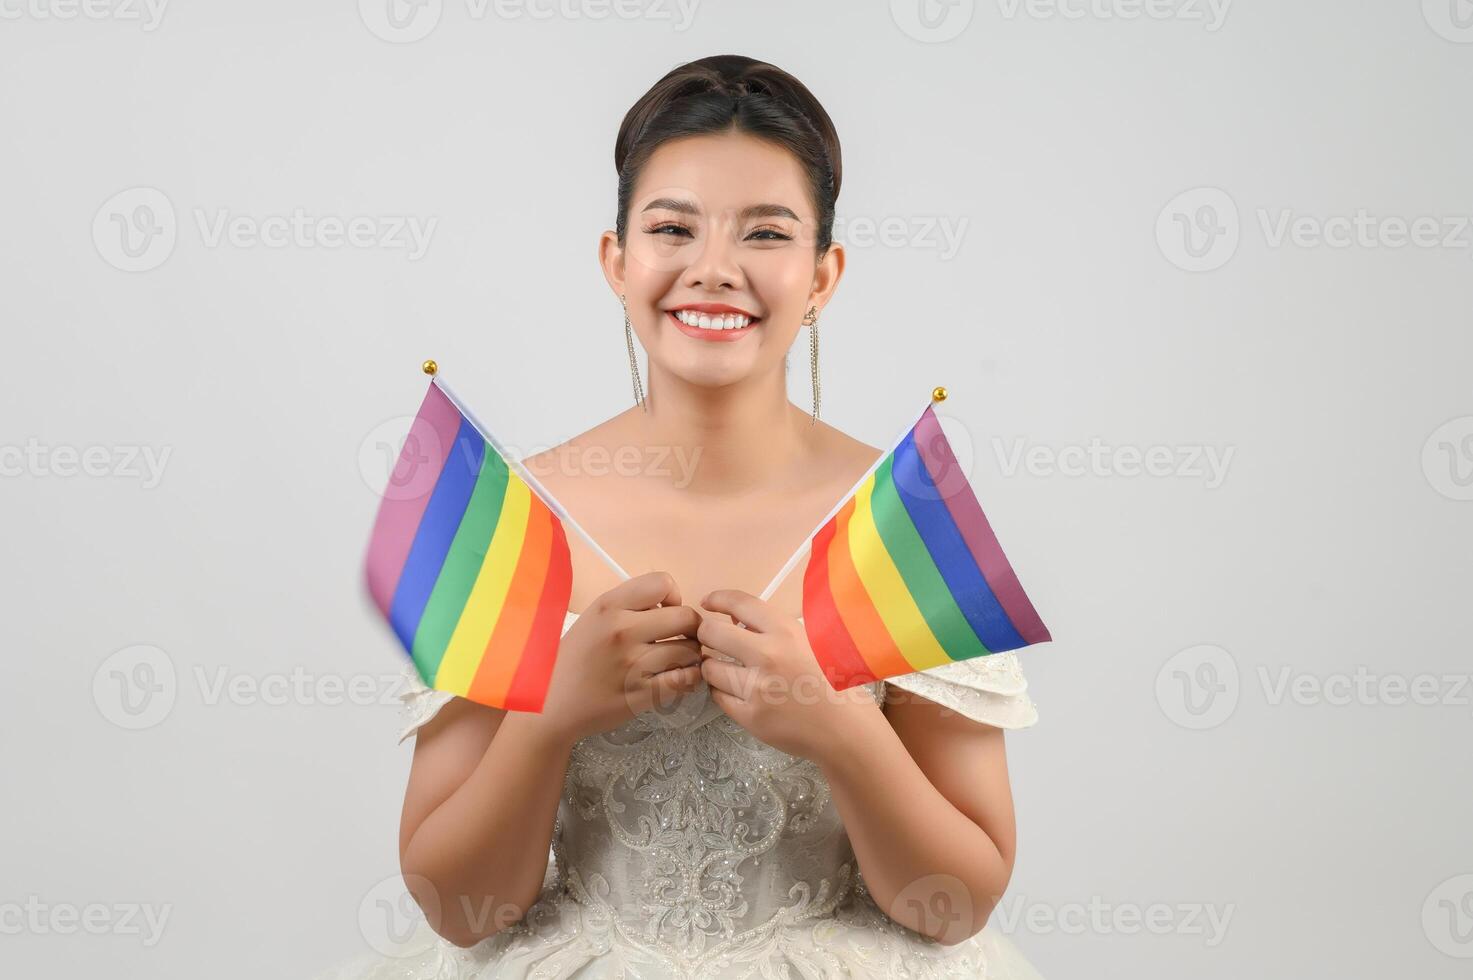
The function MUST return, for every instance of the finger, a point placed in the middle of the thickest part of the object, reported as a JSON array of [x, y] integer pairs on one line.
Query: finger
[[647, 591], [728, 678], [745, 608], [669, 655], [653, 625], [734, 707], [731, 641], [668, 685]]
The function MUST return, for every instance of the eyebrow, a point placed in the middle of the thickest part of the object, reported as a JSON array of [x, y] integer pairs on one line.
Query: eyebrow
[[750, 211]]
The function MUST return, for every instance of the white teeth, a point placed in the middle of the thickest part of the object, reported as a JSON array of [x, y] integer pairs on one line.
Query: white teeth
[[729, 321]]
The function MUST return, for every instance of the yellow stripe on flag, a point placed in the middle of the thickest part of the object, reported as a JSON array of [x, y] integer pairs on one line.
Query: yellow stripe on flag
[[488, 595], [882, 580]]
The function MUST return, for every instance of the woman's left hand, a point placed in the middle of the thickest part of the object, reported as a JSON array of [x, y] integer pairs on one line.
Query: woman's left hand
[[776, 689]]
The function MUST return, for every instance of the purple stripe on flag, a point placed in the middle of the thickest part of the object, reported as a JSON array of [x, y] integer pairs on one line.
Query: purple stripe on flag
[[427, 446], [955, 489]]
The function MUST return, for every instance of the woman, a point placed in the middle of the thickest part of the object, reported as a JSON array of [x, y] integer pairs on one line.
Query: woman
[[705, 818]]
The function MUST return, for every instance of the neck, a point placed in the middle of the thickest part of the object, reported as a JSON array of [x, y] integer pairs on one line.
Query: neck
[[725, 441]]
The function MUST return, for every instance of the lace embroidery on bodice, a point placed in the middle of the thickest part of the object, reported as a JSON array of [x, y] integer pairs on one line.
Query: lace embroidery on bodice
[[681, 834]]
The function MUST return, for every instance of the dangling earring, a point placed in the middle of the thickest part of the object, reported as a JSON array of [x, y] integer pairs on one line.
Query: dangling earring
[[633, 364], [811, 320]]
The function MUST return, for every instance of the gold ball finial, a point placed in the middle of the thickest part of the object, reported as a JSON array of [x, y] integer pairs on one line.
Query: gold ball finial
[[938, 394], [430, 367]]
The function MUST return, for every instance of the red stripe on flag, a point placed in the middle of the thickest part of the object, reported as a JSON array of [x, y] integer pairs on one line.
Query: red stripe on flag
[[534, 672], [856, 608], [837, 655], [507, 645]]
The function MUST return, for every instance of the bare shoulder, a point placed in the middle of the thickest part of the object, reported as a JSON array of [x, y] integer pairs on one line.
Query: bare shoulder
[[842, 453], [572, 467], [576, 473]]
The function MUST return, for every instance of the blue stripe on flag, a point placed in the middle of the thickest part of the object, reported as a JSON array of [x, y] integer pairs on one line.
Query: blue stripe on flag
[[949, 550], [436, 530]]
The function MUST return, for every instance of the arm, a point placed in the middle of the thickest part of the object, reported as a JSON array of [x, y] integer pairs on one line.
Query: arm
[[935, 839], [481, 778], [483, 793]]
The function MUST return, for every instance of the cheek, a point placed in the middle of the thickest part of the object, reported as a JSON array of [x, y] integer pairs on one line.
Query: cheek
[[783, 280], [653, 262], [787, 269]]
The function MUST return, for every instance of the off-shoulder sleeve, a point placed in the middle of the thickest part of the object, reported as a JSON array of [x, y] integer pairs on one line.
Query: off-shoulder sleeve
[[419, 703], [990, 689]]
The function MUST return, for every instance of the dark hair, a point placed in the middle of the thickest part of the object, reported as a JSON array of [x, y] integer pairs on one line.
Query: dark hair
[[725, 92]]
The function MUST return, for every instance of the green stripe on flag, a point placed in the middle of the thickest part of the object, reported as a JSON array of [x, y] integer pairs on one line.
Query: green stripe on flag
[[918, 569], [462, 564]]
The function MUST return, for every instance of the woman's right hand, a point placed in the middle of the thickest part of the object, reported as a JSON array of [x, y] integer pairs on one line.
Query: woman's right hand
[[615, 661]]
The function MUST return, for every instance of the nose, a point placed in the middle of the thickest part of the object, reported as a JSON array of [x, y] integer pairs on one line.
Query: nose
[[715, 266]]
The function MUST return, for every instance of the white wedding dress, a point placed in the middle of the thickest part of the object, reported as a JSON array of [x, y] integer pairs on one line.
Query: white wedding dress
[[685, 847]]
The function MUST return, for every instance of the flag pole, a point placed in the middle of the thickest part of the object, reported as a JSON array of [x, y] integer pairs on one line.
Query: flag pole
[[432, 369], [938, 394]]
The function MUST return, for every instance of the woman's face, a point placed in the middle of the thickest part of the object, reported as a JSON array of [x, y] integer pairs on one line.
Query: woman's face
[[720, 227]]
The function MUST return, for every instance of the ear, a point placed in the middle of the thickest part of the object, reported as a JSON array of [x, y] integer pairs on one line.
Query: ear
[[826, 276], [611, 260]]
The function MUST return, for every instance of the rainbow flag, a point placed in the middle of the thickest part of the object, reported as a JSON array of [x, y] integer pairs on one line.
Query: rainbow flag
[[468, 563], [906, 573]]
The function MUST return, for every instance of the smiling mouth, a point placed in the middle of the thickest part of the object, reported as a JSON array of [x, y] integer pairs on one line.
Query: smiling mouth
[[714, 322]]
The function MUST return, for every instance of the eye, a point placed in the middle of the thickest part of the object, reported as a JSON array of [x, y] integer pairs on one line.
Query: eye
[[674, 230], [771, 235]]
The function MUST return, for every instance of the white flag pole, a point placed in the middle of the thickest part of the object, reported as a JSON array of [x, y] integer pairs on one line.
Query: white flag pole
[[938, 394], [521, 471]]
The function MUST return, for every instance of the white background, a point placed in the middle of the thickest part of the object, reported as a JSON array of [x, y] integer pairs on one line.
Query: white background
[[1072, 146]]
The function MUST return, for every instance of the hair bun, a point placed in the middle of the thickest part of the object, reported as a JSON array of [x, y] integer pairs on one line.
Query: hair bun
[[727, 91]]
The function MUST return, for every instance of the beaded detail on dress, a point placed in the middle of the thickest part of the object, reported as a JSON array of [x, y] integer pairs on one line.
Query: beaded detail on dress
[[686, 847]]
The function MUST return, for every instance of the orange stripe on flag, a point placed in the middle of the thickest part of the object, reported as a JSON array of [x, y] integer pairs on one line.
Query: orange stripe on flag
[[855, 607], [534, 673], [508, 643]]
